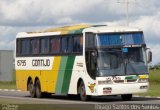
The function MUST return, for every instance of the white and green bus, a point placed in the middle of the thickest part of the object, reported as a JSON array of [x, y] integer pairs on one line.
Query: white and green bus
[[84, 60]]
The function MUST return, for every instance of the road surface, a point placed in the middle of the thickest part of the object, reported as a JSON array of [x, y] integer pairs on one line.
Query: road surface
[[17, 97]]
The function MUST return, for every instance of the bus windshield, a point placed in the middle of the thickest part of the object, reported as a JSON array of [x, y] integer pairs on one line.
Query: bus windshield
[[115, 62], [110, 62], [135, 61]]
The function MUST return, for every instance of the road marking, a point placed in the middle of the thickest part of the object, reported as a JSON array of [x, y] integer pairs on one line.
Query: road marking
[[145, 96], [13, 90]]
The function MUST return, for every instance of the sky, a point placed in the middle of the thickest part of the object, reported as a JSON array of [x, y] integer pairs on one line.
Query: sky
[[31, 15]]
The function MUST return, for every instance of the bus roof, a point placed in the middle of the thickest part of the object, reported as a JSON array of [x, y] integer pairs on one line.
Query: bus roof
[[74, 29], [77, 29], [111, 29]]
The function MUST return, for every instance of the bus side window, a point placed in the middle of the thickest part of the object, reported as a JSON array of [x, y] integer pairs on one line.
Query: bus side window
[[18, 47], [78, 44], [44, 46], [55, 45], [66, 44], [35, 46], [25, 47]]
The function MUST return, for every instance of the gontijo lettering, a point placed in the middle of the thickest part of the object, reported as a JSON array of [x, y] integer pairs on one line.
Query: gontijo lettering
[[40, 62]]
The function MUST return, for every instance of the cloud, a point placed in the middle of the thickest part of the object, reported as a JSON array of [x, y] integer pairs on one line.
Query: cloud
[[7, 45], [31, 12], [8, 35], [155, 52], [30, 15], [53, 12], [150, 25]]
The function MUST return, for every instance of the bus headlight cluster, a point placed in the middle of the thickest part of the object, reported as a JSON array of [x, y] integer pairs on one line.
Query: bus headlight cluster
[[105, 82], [143, 80]]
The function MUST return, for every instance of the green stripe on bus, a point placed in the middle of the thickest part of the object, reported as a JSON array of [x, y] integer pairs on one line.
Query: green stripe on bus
[[61, 74], [68, 73]]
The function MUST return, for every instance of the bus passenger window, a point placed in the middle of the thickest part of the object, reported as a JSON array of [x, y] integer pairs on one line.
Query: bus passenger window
[[35, 46], [55, 45], [25, 49], [18, 47], [66, 44], [77, 44], [44, 46]]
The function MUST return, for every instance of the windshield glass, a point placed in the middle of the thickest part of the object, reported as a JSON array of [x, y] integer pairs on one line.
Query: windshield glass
[[116, 62], [135, 61], [121, 54], [110, 62]]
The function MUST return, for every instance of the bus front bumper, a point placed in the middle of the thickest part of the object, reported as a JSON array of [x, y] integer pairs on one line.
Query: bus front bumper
[[118, 89]]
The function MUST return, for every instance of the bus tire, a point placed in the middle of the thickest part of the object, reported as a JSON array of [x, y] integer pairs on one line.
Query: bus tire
[[82, 92], [38, 89], [71, 96], [46, 95], [126, 97], [31, 88]]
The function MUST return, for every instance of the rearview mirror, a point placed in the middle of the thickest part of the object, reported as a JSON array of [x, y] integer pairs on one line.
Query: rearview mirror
[[149, 59]]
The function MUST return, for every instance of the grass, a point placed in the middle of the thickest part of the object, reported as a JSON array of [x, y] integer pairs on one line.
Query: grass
[[8, 85], [48, 106], [154, 82], [154, 76], [154, 90]]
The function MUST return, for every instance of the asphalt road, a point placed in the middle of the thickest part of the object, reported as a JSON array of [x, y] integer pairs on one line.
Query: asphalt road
[[15, 97]]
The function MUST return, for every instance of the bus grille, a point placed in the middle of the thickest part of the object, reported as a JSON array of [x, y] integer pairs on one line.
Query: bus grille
[[118, 81], [134, 80]]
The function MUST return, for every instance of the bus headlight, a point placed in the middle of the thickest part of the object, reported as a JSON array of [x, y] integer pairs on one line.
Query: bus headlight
[[143, 80], [105, 82]]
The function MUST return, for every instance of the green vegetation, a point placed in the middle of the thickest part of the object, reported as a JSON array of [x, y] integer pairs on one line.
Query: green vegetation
[[56, 107], [14, 76], [8, 85], [154, 89], [47, 106], [154, 76]]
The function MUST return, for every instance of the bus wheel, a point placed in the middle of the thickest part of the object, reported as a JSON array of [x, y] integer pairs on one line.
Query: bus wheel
[[82, 92], [126, 97], [46, 95], [38, 89], [71, 96], [31, 89]]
